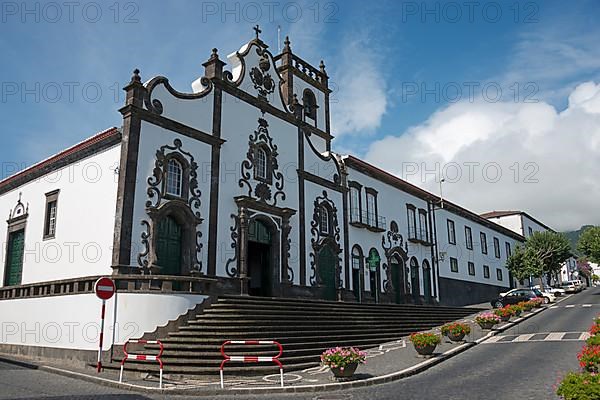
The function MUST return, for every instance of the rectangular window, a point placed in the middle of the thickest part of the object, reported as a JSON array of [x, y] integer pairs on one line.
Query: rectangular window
[[468, 238], [508, 250], [453, 264], [412, 222], [497, 247], [451, 232], [498, 274], [530, 231], [471, 268], [486, 272], [355, 204], [51, 213], [483, 240], [371, 209], [423, 225]]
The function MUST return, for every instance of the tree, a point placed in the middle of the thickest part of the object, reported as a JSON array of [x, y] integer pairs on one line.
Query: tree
[[589, 243], [543, 252]]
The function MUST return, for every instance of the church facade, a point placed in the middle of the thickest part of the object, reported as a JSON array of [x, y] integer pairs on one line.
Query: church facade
[[233, 189]]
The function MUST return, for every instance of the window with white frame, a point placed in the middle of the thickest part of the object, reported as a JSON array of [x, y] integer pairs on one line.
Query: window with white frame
[[483, 239], [468, 238], [355, 206], [423, 225], [51, 213], [497, 247], [260, 171], [451, 232], [174, 178], [412, 221], [371, 209]]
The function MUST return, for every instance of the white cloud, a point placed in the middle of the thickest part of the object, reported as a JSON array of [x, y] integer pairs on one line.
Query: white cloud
[[548, 159], [359, 100]]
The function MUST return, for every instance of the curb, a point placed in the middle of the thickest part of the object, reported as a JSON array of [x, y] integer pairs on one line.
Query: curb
[[391, 377]]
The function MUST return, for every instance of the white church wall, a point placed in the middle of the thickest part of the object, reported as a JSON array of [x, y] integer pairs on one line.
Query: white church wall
[[474, 255], [239, 121], [391, 204], [83, 242], [36, 322], [152, 138], [513, 222]]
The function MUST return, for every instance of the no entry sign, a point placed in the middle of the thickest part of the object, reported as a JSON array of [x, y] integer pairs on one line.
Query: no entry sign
[[104, 288]]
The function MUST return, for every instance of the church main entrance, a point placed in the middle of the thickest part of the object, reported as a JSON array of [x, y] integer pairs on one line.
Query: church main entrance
[[260, 268]]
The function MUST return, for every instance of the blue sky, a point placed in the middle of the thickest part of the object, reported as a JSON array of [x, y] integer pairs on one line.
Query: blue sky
[[376, 54]]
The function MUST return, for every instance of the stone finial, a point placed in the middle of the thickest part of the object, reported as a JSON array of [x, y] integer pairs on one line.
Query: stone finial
[[286, 44], [136, 76], [214, 54]]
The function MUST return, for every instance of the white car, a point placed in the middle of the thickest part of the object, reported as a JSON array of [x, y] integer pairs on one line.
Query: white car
[[547, 289]]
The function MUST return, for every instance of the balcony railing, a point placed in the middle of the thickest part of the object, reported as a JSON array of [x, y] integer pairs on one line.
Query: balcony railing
[[367, 219]]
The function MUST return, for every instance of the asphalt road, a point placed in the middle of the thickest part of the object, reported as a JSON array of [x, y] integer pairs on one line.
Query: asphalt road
[[506, 369]]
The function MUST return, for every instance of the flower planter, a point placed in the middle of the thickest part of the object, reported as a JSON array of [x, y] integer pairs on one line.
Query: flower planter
[[425, 350], [456, 338], [486, 325], [345, 372], [504, 318]]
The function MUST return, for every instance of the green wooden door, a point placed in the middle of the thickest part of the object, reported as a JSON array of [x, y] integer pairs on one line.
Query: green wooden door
[[168, 247], [414, 281], [427, 284], [14, 258], [327, 262], [397, 282]]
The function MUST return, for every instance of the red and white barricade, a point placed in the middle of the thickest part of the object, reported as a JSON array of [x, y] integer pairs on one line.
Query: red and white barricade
[[143, 357], [252, 359]]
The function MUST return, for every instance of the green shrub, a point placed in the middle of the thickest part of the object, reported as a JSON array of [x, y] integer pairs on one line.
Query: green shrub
[[583, 386]]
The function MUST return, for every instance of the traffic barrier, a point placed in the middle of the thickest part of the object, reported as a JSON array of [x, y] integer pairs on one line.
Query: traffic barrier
[[251, 359], [143, 357]]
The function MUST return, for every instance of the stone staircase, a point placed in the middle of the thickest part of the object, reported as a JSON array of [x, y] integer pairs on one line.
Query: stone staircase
[[305, 328]]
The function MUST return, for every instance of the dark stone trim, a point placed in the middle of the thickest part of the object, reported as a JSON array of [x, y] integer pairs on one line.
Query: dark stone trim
[[430, 211], [268, 108], [302, 206], [78, 155], [175, 126], [346, 233], [215, 168], [132, 124], [321, 181]]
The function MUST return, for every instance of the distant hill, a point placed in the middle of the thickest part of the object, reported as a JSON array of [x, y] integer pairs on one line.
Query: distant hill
[[573, 237]]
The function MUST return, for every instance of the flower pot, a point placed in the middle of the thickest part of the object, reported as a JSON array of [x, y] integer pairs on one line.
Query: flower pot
[[346, 372], [486, 325], [426, 350], [518, 313], [504, 318], [456, 338]]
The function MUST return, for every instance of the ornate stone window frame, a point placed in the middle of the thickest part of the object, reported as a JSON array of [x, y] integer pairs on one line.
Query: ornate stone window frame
[[185, 176]]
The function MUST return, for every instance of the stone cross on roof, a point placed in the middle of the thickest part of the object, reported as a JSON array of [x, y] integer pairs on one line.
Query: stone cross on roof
[[257, 30]]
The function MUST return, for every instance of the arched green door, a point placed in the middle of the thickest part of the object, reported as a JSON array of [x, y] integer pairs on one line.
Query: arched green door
[[168, 246], [327, 261]]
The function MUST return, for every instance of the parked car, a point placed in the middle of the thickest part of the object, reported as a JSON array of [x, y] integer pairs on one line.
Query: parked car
[[548, 297], [549, 289], [513, 296], [570, 287]]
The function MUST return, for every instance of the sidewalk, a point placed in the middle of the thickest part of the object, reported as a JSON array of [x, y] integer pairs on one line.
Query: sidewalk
[[387, 362]]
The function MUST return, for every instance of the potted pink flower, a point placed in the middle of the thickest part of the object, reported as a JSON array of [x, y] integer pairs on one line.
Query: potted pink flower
[[343, 361]]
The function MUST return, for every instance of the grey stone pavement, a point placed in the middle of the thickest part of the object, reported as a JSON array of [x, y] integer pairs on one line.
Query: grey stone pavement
[[385, 363]]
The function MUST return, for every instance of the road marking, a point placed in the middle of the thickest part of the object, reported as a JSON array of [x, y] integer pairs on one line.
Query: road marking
[[524, 338], [584, 336], [586, 305], [552, 307], [554, 336], [542, 337], [570, 306]]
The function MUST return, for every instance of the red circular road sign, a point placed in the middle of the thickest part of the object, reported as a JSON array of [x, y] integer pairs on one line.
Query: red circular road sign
[[104, 288]]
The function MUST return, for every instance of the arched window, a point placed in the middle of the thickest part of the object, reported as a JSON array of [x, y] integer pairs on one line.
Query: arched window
[[310, 104], [261, 164], [325, 220], [174, 178]]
